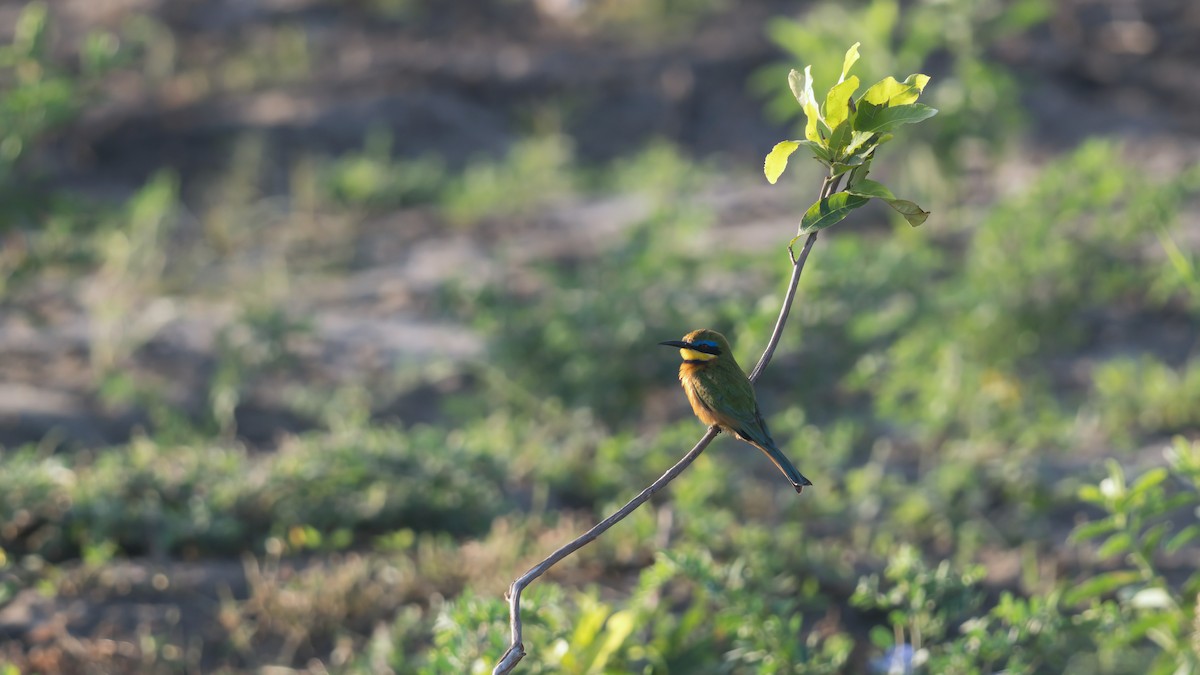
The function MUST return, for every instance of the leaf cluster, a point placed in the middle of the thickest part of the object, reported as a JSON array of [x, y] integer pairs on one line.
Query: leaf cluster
[[843, 132]]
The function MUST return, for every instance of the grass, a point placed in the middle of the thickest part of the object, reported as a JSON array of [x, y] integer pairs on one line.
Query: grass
[[954, 392]]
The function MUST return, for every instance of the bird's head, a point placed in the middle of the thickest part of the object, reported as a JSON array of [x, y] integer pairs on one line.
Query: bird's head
[[700, 346]]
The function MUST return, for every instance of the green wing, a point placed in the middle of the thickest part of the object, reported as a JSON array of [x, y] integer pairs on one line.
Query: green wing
[[730, 397]]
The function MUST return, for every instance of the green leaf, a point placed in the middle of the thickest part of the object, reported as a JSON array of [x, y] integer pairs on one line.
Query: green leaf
[[1137, 629], [861, 142], [890, 93], [29, 35], [98, 52], [801, 84], [1091, 494], [617, 629], [818, 150], [1181, 538], [882, 91], [859, 172], [881, 637], [1117, 544], [876, 118], [1151, 538], [852, 162], [916, 85], [1093, 530], [1148, 480], [1175, 501], [864, 187], [870, 188], [913, 213], [829, 211], [796, 84], [837, 102], [1101, 584], [840, 138], [849, 61], [777, 159], [1165, 636], [1179, 260]]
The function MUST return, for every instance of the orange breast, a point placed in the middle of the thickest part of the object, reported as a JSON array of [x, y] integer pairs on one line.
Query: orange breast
[[686, 376]]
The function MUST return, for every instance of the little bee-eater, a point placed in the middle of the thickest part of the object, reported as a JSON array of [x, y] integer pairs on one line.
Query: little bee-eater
[[721, 394]]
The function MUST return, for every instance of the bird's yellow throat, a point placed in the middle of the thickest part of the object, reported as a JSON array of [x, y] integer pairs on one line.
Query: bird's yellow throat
[[693, 355]]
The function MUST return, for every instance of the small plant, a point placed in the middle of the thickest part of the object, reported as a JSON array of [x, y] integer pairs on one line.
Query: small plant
[[1145, 519], [978, 98], [924, 606], [843, 134]]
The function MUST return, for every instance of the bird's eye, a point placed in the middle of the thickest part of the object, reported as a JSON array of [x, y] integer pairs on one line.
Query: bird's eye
[[707, 347]]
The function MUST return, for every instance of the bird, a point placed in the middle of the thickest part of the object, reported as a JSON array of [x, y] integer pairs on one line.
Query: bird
[[721, 395]]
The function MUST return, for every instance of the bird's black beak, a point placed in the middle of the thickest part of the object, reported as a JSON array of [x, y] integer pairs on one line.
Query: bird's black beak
[[684, 344]]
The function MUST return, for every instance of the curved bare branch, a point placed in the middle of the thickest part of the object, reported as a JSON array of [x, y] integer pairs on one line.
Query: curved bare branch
[[516, 649]]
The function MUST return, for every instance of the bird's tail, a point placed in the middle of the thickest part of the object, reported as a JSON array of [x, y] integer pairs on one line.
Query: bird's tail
[[784, 465]]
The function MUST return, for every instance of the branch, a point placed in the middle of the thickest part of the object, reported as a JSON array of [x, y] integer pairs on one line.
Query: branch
[[516, 650], [828, 187]]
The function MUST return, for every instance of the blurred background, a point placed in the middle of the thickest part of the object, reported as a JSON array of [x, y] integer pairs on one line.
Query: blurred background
[[322, 320]]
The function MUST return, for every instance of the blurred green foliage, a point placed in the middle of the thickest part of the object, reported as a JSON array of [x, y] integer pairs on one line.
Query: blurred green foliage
[[38, 96], [1138, 603], [374, 179], [208, 498], [39, 227], [535, 173]]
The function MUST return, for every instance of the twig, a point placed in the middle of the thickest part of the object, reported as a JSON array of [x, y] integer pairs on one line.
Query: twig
[[828, 187], [516, 650]]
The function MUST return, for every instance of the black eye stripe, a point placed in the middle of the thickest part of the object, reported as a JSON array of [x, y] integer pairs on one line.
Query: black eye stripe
[[705, 349]]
